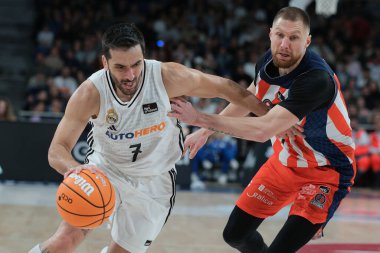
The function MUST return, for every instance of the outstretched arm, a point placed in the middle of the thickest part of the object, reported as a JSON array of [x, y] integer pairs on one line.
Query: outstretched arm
[[182, 81], [258, 129]]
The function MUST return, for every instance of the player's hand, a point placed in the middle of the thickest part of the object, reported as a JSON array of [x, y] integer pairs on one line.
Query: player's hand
[[183, 110], [76, 170], [196, 141], [292, 132]]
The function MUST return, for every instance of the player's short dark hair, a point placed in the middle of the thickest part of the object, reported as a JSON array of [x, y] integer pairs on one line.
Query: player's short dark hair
[[122, 35], [293, 14]]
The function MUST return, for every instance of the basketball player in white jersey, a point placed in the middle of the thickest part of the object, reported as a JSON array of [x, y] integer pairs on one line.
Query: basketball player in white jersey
[[132, 140]]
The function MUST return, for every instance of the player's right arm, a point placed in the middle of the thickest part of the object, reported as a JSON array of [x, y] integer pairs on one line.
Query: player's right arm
[[83, 105]]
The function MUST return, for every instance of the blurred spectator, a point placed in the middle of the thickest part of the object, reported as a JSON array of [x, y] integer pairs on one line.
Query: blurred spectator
[[6, 110], [375, 148], [53, 61], [362, 144], [219, 153], [65, 82]]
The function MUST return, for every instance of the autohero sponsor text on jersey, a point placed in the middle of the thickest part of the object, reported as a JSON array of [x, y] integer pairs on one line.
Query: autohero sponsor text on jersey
[[137, 133]]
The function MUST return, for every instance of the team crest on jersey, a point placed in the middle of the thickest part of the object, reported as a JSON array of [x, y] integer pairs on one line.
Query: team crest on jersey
[[111, 116], [268, 103]]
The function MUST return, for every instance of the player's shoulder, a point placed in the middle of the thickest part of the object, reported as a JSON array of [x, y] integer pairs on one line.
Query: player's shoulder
[[97, 75], [315, 76], [86, 92]]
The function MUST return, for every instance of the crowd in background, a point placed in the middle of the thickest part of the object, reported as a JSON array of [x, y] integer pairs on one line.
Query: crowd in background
[[225, 38]]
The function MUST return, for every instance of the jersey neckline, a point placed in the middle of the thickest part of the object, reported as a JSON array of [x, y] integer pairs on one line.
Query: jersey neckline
[[111, 87]]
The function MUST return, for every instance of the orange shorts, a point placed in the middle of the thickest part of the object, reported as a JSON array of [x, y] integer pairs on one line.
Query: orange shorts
[[313, 192]]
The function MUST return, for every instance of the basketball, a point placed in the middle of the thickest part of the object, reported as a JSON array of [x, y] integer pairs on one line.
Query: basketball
[[85, 200]]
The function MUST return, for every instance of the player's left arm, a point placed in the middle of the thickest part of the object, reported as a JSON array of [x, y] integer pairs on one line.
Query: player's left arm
[[259, 129], [182, 81], [312, 91]]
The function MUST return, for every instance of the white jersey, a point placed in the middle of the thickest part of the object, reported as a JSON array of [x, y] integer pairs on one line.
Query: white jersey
[[134, 138]]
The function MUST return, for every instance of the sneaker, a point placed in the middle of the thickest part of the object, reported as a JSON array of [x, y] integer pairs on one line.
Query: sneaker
[[222, 179], [196, 182], [197, 185], [234, 164], [207, 165]]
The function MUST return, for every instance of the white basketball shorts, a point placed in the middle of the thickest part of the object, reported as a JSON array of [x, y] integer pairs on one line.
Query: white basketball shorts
[[143, 205]]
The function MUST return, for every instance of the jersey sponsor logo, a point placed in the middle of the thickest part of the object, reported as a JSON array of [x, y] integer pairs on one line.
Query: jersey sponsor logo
[[318, 200], [261, 198], [84, 185], [111, 116], [137, 133], [149, 108], [148, 243]]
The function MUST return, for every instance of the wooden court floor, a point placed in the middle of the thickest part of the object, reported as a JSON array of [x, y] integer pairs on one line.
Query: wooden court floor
[[28, 216]]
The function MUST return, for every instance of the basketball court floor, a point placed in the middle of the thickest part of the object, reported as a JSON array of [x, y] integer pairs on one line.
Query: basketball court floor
[[28, 216]]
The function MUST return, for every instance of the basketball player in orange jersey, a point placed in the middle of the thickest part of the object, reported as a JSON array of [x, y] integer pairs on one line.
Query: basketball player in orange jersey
[[313, 172], [132, 140]]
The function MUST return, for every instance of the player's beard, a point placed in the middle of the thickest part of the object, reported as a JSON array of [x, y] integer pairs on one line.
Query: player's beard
[[285, 64], [128, 91]]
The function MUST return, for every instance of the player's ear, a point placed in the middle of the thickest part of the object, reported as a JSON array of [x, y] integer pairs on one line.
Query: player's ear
[[270, 33], [308, 41], [104, 61]]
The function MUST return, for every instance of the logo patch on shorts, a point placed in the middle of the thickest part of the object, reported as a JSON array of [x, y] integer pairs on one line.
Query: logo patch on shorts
[[318, 200], [149, 108], [148, 243], [324, 189]]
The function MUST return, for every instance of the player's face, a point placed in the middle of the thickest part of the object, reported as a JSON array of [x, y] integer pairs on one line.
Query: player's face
[[289, 40], [125, 66]]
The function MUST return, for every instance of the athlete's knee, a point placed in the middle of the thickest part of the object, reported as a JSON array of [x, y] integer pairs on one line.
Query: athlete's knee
[[248, 241], [232, 236]]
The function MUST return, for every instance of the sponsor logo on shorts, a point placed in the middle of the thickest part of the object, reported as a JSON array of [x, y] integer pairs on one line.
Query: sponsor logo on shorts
[[261, 198], [137, 133], [324, 189], [265, 190], [319, 200], [84, 185], [148, 243]]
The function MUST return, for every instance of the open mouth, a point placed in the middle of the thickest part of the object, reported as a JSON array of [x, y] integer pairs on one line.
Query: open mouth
[[283, 55]]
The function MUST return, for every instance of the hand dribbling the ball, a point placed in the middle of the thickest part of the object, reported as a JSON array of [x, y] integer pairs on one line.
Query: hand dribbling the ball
[[77, 169]]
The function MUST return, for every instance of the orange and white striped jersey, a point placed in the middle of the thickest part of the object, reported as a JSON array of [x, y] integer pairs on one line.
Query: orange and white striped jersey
[[328, 136]]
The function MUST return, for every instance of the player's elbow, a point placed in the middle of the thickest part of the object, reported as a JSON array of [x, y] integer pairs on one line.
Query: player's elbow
[[51, 156], [263, 135]]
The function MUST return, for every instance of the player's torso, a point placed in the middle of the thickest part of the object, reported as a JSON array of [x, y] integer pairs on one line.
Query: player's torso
[[137, 137], [325, 144]]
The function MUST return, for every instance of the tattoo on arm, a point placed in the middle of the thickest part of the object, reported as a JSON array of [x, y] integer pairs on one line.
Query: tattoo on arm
[[227, 133]]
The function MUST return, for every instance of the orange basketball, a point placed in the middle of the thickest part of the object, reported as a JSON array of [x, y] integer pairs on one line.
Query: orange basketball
[[85, 200]]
